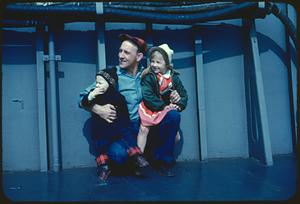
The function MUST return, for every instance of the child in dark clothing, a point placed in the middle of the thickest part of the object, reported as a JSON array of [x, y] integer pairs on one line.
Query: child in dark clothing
[[107, 133]]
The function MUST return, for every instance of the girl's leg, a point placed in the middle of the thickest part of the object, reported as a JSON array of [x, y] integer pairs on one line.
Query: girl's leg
[[142, 137]]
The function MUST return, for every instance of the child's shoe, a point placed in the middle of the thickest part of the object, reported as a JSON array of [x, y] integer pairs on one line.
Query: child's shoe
[[103, 172]]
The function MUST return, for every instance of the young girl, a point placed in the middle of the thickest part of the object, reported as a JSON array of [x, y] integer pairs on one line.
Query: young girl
[[158, 82]]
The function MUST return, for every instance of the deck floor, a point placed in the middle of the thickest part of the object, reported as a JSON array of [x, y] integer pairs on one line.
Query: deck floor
[[237, 179]]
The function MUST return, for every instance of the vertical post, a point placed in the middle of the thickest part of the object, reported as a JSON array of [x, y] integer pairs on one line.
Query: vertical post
[[54, 122], [200, 94], [100, 30], [41, 99], [149, 38], [291, 85], [259, 140]]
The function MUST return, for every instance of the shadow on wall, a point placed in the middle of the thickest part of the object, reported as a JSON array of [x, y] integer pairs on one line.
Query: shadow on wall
[[87, 132], [222, 35], [179, 145]]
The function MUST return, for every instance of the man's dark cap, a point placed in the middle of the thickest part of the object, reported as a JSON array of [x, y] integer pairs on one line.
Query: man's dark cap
[[140, 43]]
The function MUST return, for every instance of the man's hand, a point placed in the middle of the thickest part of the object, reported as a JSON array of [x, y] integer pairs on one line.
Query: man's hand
[[107, 112], [174, 97]]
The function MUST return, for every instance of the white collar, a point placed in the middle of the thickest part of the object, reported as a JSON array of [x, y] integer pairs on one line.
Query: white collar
[[167, 74]]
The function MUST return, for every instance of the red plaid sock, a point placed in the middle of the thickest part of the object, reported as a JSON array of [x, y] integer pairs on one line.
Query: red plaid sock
[[102, 159]]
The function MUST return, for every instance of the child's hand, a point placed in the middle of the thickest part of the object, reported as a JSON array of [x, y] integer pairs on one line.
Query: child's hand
[[95, 92], [178, 107], [173, 106], [167, 107], [174, 97]]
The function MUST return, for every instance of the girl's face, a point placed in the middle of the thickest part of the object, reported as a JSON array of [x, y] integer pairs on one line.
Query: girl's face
[[101, 83], [157, 63]]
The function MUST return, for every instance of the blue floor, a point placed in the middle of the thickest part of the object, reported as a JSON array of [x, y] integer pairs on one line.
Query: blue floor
[[213, 180]]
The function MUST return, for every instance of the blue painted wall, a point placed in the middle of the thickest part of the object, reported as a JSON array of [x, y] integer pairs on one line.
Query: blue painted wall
[[223, 54], [273, 55], [20, 147], [224, 90]]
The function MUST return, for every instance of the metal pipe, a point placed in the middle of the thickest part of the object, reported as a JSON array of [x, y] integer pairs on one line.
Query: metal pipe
[[273, 8], [292, 87], [100, 30], [54, 122], [200, 85], [41, 99], [20, 23], [243, 9], [149, 39], [173, 9], [264, 143], [88, 12], [152, 3]]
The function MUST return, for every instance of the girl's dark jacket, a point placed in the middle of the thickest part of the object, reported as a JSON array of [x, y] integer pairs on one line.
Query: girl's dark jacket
[[151, 94]]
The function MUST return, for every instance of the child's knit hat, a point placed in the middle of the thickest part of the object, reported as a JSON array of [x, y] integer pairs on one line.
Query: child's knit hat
[[166, 52], [109, 75]]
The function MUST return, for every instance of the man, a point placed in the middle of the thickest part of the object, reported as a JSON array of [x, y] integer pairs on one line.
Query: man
[[129, 71]]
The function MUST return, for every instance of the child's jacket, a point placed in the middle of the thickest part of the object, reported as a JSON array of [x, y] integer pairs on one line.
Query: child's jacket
[[103, 129], [156, 89], [152, 96]]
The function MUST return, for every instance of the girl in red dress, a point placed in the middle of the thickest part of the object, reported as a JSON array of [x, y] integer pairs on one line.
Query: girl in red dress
[[158, 82]]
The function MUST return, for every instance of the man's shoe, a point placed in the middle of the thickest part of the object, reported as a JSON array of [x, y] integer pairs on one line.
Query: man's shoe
[[166, 170], [103, 172], [140, 161], [139, 172]]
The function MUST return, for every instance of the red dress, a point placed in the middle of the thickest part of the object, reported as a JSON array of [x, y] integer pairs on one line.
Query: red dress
[[148, 117]]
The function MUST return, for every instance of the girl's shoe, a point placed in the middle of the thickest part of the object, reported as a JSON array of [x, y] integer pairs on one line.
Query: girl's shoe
[[141, 161]]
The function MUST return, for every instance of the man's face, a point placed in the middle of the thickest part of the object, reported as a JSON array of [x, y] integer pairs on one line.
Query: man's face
[[128, 53]]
